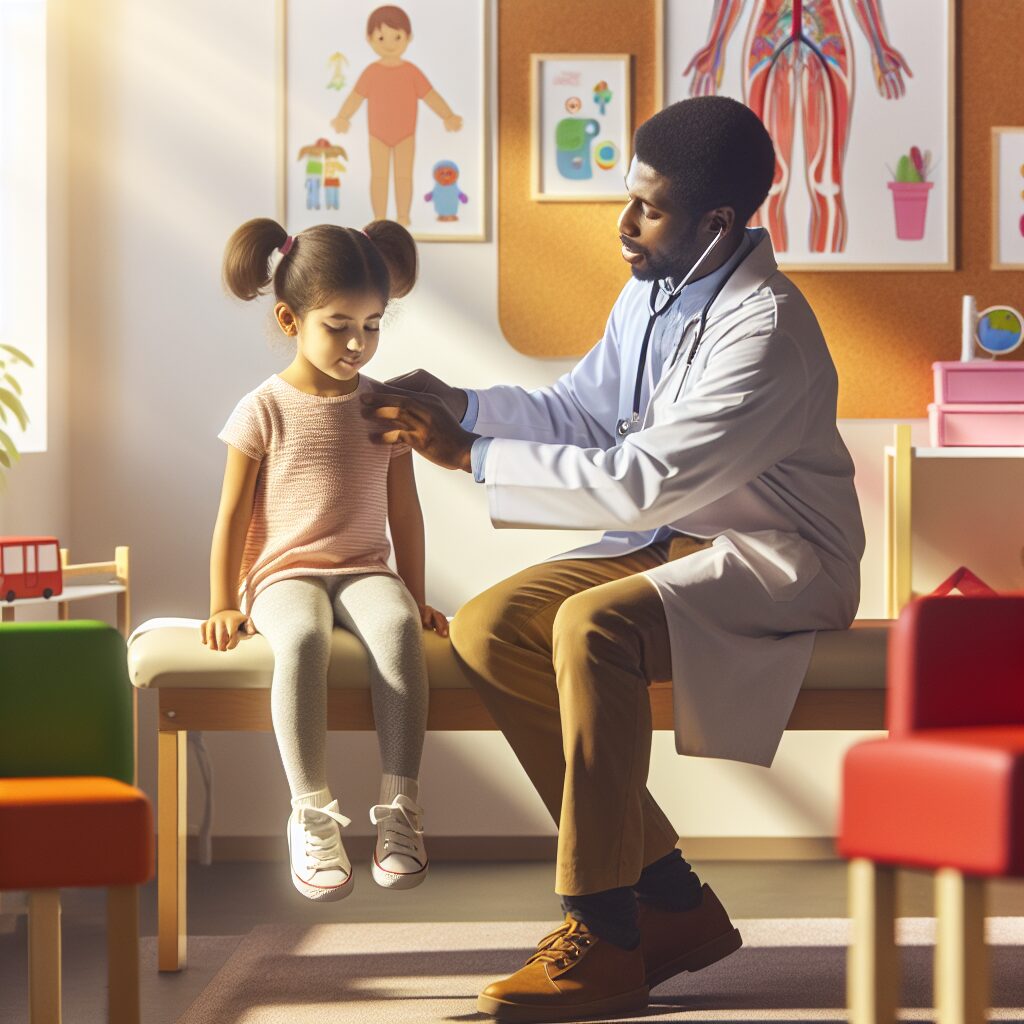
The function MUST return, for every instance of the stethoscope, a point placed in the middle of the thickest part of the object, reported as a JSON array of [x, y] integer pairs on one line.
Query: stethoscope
[[624, 426]]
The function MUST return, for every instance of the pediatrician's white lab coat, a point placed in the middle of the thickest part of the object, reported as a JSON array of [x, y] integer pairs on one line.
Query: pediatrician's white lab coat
[[742, 448]]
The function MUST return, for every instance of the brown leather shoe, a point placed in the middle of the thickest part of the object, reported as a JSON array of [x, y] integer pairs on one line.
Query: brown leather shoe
[[573, 974], [674, 941]]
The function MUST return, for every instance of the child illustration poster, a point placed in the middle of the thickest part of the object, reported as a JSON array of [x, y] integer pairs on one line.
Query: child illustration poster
[[858, 98], [396, 98]]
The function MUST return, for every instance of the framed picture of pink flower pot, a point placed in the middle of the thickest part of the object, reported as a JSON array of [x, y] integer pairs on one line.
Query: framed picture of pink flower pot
[[858, 96], [383, 112], [1008, 198]]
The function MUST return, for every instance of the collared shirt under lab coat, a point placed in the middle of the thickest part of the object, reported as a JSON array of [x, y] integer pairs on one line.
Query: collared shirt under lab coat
[[743, 448]]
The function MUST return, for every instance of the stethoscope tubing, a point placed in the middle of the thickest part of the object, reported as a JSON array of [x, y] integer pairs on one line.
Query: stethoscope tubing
[[623, 426]]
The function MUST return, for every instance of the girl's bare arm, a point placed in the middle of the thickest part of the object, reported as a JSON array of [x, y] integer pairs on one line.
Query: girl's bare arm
[[220, 632], [406, 520]]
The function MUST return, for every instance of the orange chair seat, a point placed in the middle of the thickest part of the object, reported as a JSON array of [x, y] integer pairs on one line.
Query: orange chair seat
[[948, 797], [73, 831]]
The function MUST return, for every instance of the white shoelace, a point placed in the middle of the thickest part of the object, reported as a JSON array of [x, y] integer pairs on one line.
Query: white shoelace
[[400, 820], [323, 842]]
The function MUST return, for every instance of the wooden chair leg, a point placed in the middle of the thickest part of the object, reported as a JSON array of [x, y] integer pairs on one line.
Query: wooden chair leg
[[172, 753], [961, 959], [44, 956], [872, 977], [123, 954]]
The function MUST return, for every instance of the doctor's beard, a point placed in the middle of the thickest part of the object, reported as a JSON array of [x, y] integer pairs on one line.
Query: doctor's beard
[[674, 261]]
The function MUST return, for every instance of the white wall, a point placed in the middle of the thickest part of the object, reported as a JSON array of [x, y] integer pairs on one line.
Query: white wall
[[171, 142], [37, 497]]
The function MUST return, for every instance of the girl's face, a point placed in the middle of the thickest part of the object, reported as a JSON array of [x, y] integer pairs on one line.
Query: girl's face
[[335, 341]]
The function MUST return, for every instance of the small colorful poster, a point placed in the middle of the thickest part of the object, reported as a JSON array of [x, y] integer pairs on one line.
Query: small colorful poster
[[579, 126]]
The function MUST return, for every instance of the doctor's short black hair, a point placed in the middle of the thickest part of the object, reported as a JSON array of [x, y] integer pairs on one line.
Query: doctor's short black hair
[[716, 152]]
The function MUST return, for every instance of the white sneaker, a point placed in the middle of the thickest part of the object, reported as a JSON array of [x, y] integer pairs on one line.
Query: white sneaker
[[320, 867], [400, 857]]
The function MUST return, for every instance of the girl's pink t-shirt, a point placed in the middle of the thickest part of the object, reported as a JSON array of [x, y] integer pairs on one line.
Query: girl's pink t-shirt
[[321, 499]]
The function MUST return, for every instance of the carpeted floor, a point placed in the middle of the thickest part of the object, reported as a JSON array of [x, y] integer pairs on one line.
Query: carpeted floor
[[788, 970]]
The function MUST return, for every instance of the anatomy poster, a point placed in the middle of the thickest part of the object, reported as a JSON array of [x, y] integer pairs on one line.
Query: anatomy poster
[[580, 126], [858, 98], [1008, 198], [385, 115]]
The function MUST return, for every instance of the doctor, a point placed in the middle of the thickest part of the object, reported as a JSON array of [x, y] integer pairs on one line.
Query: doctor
[[700, 433]]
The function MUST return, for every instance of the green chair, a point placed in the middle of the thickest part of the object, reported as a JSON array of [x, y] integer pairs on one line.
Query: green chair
[[66, 756]]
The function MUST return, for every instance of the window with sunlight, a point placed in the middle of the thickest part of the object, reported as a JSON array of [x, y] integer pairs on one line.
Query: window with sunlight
[[23, 173]]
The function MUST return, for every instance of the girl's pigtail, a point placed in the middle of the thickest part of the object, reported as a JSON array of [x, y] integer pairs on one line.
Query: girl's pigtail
[[247, 256], [398, 250]]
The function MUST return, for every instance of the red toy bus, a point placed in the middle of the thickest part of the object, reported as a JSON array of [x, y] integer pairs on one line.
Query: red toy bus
[[29, 567]]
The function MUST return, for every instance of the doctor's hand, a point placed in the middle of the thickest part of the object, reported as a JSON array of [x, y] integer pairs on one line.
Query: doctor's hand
[[423, 422], [455, 399]]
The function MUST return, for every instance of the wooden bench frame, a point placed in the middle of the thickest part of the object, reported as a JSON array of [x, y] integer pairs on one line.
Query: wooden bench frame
[[248, 710]]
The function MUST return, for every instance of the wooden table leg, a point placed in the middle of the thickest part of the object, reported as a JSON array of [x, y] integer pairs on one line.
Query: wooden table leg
[[961, 960], [170, 858], [44, 956], [872, 976], [123, 954], [898, 470]]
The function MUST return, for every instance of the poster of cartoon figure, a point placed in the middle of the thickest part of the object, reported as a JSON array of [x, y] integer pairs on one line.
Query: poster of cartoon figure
[[858, 98], [579, 126], [386, 115]]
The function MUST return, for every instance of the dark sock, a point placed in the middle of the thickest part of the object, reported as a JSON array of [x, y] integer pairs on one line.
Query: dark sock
[[610, 915], [669, 883]]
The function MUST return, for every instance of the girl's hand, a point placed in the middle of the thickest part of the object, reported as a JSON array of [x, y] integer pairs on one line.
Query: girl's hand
[[433, 619], [221, 631]]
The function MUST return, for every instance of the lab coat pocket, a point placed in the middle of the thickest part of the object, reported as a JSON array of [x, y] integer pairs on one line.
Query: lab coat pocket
[[784, 563]]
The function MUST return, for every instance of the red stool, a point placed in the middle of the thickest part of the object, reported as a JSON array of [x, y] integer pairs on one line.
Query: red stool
[[67, 832], [944, 791]]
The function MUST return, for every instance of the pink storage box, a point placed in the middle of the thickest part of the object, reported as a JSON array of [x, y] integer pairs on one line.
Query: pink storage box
[[985, 380], [982, 424]]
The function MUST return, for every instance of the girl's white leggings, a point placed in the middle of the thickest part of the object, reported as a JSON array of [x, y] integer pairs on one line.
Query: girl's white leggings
[[297, 617]]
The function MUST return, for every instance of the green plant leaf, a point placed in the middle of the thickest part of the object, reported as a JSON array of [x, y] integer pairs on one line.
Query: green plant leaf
[[11, 400], [14, 384], [906, 171], [8, 449], [17, 353]]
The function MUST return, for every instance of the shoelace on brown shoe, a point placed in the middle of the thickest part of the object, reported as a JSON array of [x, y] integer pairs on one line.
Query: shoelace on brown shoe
[[563, 945]]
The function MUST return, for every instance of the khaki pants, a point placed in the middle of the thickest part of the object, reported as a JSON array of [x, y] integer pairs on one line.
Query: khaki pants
[[561, 654]]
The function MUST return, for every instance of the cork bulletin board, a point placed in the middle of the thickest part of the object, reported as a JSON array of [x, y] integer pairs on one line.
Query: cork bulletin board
[[559, 264]]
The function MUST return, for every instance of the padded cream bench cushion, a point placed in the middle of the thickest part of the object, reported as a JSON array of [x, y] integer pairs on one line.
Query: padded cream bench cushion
[[847, 672], [174, 656]]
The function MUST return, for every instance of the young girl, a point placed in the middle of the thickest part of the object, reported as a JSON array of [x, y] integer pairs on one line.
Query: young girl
[[300, 544]]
